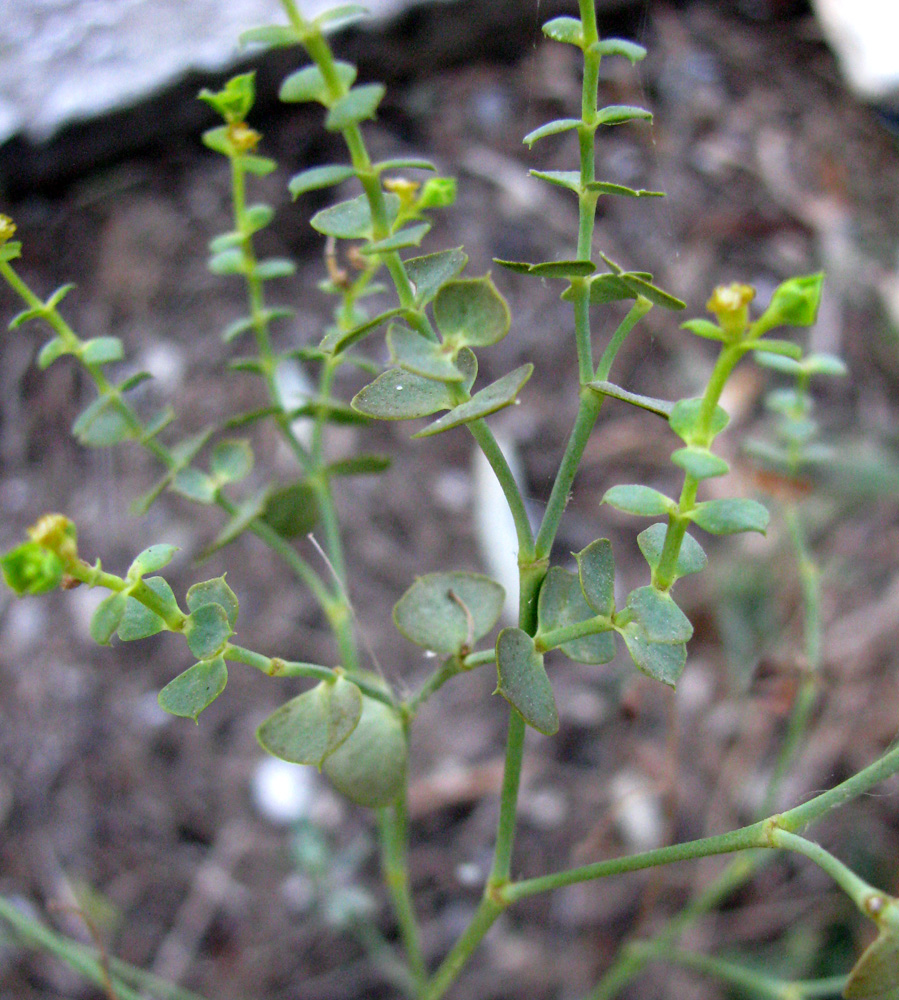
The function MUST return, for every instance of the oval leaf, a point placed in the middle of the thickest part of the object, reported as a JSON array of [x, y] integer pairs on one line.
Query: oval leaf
[[400, 395], [151, 560], [565, 29], [197, 688], [207, 630], [596, 571], [139, 622], [660, 660], [292, 510], [231, 460], [685, 421], [318, 177], [640, 500], [729, 517], [309, 728], [494, 397], [107, 618], [308, 84], [691, 558], [700, 463], [445, 612], [422, 357], [562, 603], [523, 682], [658, 616], [471, 312], [430, 272], [875, 976], [551, 128], [356, 106], [214, 591]]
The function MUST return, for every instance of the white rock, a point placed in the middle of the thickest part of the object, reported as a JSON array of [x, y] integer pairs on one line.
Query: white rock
[[283, 792], [863, 35]]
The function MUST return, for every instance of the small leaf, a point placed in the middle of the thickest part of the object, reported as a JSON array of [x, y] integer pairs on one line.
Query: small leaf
[[685, 421], [400, 395], [429, 273], [656, 295], [102, 424], [356, 106], [318, 177], [133, 381], [444, 612], [139, 622], [729, 517], [825, 364], [358, 465], [607, 187], [231, 461], [309, 728], [500, 394], [227, 262], [369, 768], [691, 558], [658, 616], [52, 351], [771, 346], [404, 163], [292, 510], [333, 411], [107, 618], [195, 485], [344, 13], [102, 351], [422, 357], [438, 192], [207, 630], [151, 560], [259, 166], [470, 312], [562, 603], [705, 328], [197, 688], [615, 114], [351, 220], [258, 216], [568, 179], [271, 35], [523, 681], [619, 47], [565, 29], [275, 267], [700, 462], [660, 660], [596, 572], [411, 236], [338, 340], [563, 269], [640, 500], [551, 128], [214, 591], [661, 407], [875, 976], [794, 303], [308, 84], [11, 250]]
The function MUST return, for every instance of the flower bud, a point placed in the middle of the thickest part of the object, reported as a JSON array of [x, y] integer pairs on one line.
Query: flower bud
[[7, 229], [730, 304], [31, 569], [58, 534]]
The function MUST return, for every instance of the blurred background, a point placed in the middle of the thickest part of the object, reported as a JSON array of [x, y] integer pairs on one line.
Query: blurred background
[[200, 860]]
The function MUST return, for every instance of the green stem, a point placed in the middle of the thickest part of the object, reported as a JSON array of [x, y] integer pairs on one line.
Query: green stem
[[637, 311], [394, 825], [757, 983], [484, 918], [445, 672], [566, 633]]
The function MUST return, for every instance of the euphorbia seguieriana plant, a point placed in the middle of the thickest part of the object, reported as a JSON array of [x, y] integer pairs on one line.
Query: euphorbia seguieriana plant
[[350, 723]]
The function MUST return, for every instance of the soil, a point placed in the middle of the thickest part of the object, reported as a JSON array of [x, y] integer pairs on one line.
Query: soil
[[152, 826]]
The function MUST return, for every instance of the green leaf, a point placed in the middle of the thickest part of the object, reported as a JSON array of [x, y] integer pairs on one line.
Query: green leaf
[[662, 661], [640, 500], [344, 13], [151, 560], [231, 461], [429, 273], [245, 514], [728, 517], [197, 688], [691, 558], [234, 101], [400, 395], [207, 630], [551, 128], [700, 462], [31, 569], [195, 485], [550, 269], [616, 114], [705, 328], [875, 976], [438, 192], [308, 84], [338, 340], [247, 323], [503, 392], [522, 680], [661, 407], [275, 267], [607, 187], [825, 364], [411, 236], [227, 262], [656, 295], [446, 612], [107, 618], [139, 622], [596, 572], [356, 106], [568, 179], [358, 465], [685, 420], [404, 163], [292, 510], [217, 140], [102, 424], [318, 177], [271, 35], [470, 312], [351, 220], [658, 616], [565, 29], [52, 351], [309, 728], [562, 603], [259, 166], [333, 411], [619, 47], [794, 303], [214, 591], [102, 351], [369, 768], [608, 288], [11, 250], [258, 216], [422, 357], [776, 347]]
